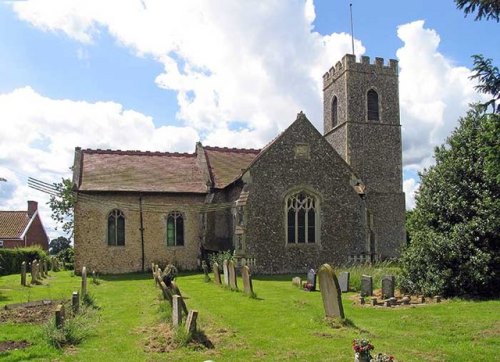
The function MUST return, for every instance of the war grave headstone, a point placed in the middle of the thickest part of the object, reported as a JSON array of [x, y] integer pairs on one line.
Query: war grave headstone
[[311, 281], [344, 281], [330, 292], [233, 281], [216, 271], [247, 280], [388, 282], [225, 272], [366, 285]]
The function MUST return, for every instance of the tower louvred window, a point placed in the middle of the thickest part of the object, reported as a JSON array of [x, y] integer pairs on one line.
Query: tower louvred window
[[372, 105]]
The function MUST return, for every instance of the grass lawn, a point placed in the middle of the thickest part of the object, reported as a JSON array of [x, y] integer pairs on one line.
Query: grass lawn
[[283, 323]]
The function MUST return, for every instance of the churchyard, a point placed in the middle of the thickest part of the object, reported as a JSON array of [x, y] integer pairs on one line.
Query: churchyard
[[269, 319]]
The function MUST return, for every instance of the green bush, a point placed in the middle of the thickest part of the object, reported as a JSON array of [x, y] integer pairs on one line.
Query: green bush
[[74, 331], [11, 259], [220, 257], [67, 257]]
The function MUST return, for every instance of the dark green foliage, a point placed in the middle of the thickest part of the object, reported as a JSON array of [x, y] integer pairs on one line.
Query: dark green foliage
[[67, 257], [489, 81], [220, 257], [12, 259], [455, 227], [62, 205], [485, 8], [58, 245]]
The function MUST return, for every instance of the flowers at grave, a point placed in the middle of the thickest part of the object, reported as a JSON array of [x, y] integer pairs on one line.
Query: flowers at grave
[[308, 286], [382, 357], [362, 346]]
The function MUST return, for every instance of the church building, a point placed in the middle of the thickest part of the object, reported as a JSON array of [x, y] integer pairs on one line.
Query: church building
[[305, 199]]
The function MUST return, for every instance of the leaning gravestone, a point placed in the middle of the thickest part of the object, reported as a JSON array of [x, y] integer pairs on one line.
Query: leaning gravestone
[[344, 281], [366, 286], [247, 280], [225, 271], [23, 273], [330, 292], [84, 282], [216, 273], [191, 321], [233, 281], [311, 280], [388, 282], [166, 292], [296, 281], [177, 310]]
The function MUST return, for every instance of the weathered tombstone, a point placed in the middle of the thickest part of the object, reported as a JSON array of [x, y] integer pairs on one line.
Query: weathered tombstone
[[75, 302], [296, 281], [225, 271], [84, 282], [34, 272], [38, 274], [176, 310], [388, 282], [330, 292], [233, 281], [344, 281], [387, 303], [216, 273], [23, 273], [361, 300], [405, 300], [437, 298], [191, 321], [94, 277], [166, 292], [205, 270], [174, 289], [60, 316], [247, 280], [373, 302], [366, 285], [311, 280], [393, 300]]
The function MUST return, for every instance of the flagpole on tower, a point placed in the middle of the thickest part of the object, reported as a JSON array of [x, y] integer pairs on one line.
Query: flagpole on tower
[[352, 30]]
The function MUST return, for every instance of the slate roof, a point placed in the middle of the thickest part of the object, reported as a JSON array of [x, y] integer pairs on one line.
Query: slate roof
[[13, 224], [227, 164], [106, 170]]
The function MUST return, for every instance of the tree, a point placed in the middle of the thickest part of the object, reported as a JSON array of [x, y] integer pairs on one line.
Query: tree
[[58, 245], [485, 8], [62, 205], [489, 80], [455, 226]]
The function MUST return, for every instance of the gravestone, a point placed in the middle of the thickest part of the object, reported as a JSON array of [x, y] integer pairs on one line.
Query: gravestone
[[174, 289], [191, 321], [75, 302], [23, 273], [84, 282], [296, 281], [176, 310], [34, 272], [205, 270], [60, 316], [388, 282], [311, 280], [216, 273], [166, 292], [366, 285], [233, 281], [344, 281], [38, 273], [373, 301], [247, 280], [330, 292], [225, 271], [405, 300], [437, 298], [94, 277]]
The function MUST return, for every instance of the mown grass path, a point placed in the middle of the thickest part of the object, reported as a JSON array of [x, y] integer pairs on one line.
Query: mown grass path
[[283, 323]]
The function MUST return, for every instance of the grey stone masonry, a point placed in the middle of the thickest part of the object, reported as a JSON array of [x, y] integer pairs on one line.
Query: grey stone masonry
[[344, 281], [330, 292], [388, 283], [366, 285]]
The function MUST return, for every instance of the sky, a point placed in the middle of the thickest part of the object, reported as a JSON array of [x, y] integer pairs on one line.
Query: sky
[[161, 75]]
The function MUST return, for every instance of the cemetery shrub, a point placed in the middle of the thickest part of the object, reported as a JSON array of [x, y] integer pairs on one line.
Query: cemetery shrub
[[74, 331], [455, 226], [67, 257], [11, 259], [220, 257]]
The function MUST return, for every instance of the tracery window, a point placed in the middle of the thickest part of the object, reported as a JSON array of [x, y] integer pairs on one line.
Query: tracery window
[[302, 211], [372, 105], [116, 228], [175, 229]]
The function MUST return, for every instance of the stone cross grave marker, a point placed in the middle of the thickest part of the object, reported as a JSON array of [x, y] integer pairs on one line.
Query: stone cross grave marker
[[296, 281], [216, 273], [225, 271], [191, 321], [247, 280], [176, 310], [311, 279], [75, 302], [330, 292], [344, 281], [84, 282], [23, 273], [366, 286], [388, 282], [233, 281]]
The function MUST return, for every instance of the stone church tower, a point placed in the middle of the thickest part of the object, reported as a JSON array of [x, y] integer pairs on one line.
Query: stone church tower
[[361, 121]]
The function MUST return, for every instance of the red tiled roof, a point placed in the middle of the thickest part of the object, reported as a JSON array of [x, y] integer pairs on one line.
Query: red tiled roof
[[13, 224], [106, 170], [226, 164]]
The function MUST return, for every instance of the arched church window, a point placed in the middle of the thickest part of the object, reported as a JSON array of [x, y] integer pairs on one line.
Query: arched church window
[[302, 213], [175, 229], [335, 119], [372, 105], [116, 228]]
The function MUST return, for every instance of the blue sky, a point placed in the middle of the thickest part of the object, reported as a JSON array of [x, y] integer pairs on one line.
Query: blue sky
[[160, 76]]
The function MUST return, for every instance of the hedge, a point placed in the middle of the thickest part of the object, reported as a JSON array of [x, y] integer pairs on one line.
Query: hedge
[[11, 259]]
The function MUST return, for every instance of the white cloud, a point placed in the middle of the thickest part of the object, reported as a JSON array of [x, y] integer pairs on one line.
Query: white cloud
[[410, 187]]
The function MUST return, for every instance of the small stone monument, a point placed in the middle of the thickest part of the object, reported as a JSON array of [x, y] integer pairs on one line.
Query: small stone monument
[[34, 272], [176, 310], [23, 273], [344, 281], [84, 282], [215, 268], [330, 292], [205, 270], [388, 283], [60, 316], [191, 321], [226, 273], [366, 286], [75, 302], [311, 280], [247, 280], [233, 281]]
